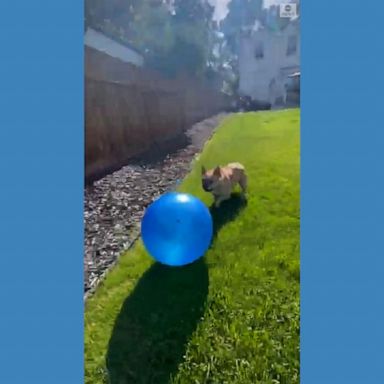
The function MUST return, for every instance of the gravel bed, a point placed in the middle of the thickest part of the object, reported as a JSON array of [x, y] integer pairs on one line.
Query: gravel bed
[[114, 205]]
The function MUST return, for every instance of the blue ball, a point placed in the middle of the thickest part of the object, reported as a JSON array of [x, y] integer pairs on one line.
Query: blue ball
[[177, 229]]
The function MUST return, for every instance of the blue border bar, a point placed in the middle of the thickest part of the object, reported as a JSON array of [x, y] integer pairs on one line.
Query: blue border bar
[[41, 233], [41, 219], [342, 187]]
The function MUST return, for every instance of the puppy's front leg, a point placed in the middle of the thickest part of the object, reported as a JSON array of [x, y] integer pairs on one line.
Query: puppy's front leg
[[220, 199]]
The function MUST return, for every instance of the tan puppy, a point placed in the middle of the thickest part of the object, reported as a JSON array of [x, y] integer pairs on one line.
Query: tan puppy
[[220, 181]]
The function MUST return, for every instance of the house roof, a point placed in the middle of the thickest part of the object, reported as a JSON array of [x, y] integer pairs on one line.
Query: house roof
[[117, 40], [266, 27]]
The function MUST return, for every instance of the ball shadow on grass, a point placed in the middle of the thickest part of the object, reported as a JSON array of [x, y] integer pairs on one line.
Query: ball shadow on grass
[[157, 319], [150, 334]]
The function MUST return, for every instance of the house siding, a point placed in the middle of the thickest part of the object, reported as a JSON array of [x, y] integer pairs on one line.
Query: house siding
[[264, 78]]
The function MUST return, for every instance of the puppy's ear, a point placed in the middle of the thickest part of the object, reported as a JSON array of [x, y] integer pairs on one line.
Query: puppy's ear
[[203, 170], [217, 171]]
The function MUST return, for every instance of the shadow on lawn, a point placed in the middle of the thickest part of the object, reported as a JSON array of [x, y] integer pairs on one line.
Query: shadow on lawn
[[227, 211], [156, 321], [149, 338]]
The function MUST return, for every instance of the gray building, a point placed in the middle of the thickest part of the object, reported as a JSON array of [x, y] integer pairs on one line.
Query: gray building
[[267, 60]]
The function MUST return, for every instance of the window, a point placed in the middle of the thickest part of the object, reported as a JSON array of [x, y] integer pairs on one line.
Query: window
[[292, 45], [259, 50]]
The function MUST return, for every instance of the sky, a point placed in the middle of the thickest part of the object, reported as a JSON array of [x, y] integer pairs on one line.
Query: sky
[[221, 7]]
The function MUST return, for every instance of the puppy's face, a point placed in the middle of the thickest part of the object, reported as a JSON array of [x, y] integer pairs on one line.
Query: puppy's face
[[210, 179]]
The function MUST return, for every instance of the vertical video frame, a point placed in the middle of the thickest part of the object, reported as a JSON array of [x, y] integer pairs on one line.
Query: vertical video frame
[[192, 191]]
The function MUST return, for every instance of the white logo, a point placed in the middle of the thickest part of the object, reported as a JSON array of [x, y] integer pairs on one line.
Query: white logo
[[288, 10]]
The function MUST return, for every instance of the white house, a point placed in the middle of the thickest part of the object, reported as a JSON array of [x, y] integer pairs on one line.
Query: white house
[[267, 58], [103, 43]]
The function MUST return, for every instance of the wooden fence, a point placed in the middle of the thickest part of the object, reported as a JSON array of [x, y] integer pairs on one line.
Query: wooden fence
[[128, 110]]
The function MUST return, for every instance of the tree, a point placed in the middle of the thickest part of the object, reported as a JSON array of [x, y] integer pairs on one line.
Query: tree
[[151, 29], [222, 64], [194, 36], [112, 16], [174, 35], [143, 24], [242, 14]]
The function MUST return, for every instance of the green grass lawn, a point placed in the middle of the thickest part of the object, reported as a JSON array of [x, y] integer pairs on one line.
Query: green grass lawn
[[233, 316]]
